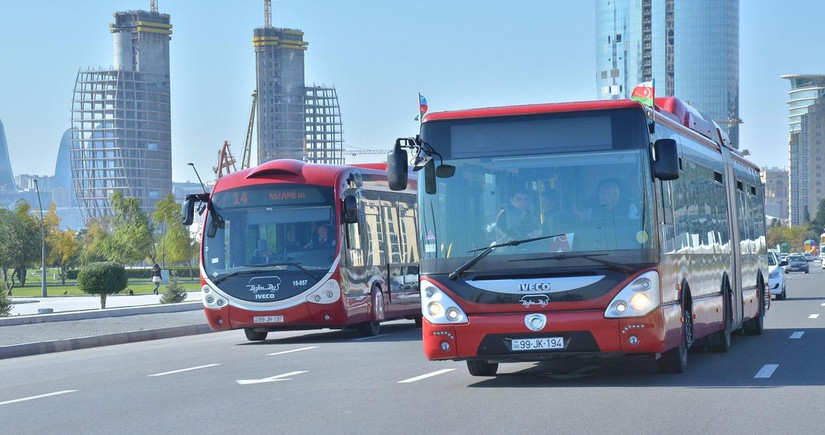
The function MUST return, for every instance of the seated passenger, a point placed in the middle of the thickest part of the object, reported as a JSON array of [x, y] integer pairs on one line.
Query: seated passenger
[[322, 239]]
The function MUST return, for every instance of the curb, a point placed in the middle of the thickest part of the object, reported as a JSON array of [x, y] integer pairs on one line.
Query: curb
[[29, 349], [98, 314]]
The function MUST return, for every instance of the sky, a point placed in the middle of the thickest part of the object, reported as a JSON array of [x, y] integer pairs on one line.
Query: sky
[[378, 54]]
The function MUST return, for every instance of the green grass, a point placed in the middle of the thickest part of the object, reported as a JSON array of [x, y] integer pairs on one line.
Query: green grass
[[54, 287]]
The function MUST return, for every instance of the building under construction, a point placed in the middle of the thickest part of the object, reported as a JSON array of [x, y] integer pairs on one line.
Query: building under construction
[[294, 121], [121, 118]]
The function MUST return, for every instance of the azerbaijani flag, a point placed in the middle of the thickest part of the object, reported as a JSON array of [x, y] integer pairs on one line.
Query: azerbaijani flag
[[644, 93], [422, 104]]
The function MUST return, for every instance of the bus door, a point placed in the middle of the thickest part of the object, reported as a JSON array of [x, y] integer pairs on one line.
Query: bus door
[[735, 202]]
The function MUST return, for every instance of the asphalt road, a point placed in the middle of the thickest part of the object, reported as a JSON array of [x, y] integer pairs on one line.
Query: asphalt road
[[335, 382]]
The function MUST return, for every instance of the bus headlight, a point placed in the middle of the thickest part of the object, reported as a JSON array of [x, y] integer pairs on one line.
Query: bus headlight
[[638, 298], [438, 308]]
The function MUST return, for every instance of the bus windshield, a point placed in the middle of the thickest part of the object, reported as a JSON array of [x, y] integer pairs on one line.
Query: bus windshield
[[268, 228], [595, 201]]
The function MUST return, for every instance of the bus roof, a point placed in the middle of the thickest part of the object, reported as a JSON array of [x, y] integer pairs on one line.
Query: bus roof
[[293, 171], [531, 109]]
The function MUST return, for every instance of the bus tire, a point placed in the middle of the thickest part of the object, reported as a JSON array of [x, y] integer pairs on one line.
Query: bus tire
[[675, 360], [372, 327], [481, 367], [253, 335], [757, 324], [721, 340]]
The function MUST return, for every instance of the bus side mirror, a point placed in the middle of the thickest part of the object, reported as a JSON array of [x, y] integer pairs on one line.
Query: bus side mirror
[[666, 165], [397, 167], [350, 209], [187, 210]]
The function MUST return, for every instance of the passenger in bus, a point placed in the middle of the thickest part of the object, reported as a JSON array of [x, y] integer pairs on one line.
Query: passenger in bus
[[608, 203], [322, 239], [290, 242], [516, 220]]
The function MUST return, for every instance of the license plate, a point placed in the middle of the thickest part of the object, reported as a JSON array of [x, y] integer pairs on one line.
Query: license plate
[[537, 343], [268, 319]]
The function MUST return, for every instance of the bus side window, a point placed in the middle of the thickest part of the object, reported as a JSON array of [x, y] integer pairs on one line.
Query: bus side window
[[354, 251]]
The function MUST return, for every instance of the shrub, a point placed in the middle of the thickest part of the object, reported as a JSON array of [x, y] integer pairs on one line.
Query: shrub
[[102, 279], [5, 302], [174, 291]]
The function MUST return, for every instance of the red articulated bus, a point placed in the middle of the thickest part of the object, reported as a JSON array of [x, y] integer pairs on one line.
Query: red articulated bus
[[293, 245], [584, 229]]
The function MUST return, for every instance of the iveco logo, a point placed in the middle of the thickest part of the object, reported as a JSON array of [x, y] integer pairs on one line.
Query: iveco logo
[[535, 287], [265, 296], [264, 284]]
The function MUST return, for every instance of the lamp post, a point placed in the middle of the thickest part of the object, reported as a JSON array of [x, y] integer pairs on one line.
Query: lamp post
[[43, 246]]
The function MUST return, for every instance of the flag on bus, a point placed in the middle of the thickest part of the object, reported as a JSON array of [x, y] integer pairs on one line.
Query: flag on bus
[[422, 105], [644, 93]]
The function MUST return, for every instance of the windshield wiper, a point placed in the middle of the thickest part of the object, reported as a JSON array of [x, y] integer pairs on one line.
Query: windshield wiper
[[484, 251], [253, 268], [592, 257]]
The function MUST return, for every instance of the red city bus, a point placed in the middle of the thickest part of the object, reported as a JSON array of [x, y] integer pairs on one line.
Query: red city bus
[[580, 229], [293, 245]]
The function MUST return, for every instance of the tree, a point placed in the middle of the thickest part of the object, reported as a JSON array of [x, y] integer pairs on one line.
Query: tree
[[174, 291], [817, 225], [93, 240], [174, 243], [64, 252], [132, 233], [102, 279], [5, 303], [20, 242]]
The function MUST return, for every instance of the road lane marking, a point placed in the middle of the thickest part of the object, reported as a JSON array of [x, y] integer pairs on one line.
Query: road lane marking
[[813, 316], [283, 377], [183, 370], [369, 338], [293, 350], [766, 371], [428, 375], [797, 334], [41, 396]]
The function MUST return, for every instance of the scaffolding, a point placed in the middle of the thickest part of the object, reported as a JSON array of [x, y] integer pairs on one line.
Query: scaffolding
[[324, 135]]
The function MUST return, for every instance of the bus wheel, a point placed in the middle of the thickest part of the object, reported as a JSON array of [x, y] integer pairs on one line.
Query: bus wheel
[[756, 325], [481, 367], [721, 340], [373, 326], [252, 335], [675, 360]]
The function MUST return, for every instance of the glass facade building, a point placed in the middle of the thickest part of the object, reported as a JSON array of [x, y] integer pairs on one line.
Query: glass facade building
[[806, 127], [121, 119], [8, 189], [690, 49]]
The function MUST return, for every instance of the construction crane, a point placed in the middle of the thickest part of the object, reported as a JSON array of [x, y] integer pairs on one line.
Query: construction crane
[[247, 146], [226, 163], [153, 6], [267, 14]]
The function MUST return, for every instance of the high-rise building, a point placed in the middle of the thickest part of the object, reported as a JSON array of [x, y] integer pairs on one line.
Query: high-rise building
[[806, 150], [776, 193], [279, 66], [8, 189], [690, 49], [295, 121], [121, 119]]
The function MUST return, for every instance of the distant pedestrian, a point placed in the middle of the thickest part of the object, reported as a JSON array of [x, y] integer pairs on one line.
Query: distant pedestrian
[[156, 276]]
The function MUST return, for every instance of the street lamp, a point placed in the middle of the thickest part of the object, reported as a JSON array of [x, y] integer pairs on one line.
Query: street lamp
[[43, 246]]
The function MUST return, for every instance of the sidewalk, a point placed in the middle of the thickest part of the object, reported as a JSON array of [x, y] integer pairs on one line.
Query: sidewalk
[[77, 322]]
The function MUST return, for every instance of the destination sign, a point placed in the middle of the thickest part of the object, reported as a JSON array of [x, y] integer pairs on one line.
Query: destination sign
[[279, 194]]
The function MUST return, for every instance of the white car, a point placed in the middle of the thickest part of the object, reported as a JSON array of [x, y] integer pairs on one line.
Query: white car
[[776, 275]]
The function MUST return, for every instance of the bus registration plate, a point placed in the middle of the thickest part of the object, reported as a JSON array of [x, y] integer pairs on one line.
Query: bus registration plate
[[268, 319], [537, 343]]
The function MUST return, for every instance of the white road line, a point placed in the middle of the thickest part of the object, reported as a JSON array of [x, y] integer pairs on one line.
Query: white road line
[[7, 402], [766, 371], [813, 316], [283, 377], [183, 370], [369, 338], [428, 375], [797, 334], [293, 350]]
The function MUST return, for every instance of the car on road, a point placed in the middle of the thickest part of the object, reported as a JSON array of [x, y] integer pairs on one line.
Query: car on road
[[797, 263], [776, 275], [808, 256]]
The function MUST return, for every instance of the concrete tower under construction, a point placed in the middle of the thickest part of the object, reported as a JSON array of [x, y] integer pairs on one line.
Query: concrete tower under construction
[[121, 118], [294, 121]]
